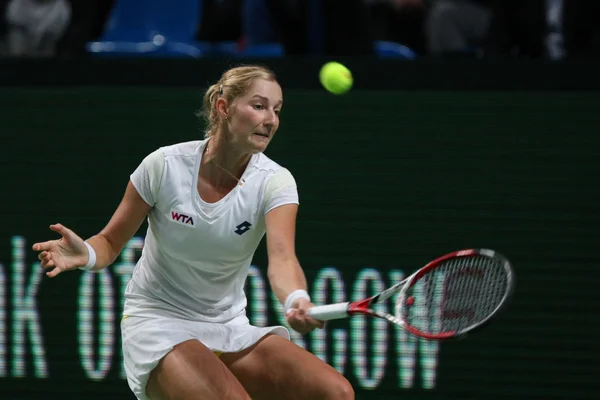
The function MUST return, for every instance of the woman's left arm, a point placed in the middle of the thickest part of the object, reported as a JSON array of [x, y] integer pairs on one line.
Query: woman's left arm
[[285, 274]]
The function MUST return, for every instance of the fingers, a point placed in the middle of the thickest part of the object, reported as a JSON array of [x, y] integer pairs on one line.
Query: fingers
[[59, 228], [62, 230], [44, 255], [299, 320], [48, 251], [43, 245], [47, 262], [316, 322], [302, 313], [46, 259], [54, 272]]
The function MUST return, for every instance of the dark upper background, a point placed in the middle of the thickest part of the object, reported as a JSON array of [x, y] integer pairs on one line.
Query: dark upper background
[[494, 144]]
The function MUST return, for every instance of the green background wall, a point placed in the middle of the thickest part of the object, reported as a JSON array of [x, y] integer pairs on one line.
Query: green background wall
[[388, 180]]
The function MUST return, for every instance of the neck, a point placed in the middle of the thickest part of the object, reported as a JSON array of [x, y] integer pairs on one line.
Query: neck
[[223, 162]]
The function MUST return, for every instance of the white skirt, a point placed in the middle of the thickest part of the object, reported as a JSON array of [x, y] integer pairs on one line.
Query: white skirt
[[147, 340]]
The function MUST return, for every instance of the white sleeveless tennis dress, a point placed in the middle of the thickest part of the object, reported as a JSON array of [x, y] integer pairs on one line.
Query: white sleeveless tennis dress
[[189, 281]]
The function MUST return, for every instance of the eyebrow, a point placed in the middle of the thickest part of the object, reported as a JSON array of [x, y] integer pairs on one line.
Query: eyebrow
[[266, 99]]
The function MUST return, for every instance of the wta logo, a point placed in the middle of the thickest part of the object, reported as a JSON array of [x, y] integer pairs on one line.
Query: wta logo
[[181, 218]]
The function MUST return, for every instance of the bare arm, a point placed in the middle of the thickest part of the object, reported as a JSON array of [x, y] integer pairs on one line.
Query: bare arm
[[70, 252], [284, 271], [124, 223]]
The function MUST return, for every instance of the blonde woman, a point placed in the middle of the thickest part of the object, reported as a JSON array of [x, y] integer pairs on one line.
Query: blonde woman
[[209, 203]]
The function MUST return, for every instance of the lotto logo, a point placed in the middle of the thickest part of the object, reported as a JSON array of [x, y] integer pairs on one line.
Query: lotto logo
[[243, 228]]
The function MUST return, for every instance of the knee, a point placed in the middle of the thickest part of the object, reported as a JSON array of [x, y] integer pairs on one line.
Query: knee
[[340, 389]]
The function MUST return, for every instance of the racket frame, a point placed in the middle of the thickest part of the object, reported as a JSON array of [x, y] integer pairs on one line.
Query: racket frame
[[346, 309]]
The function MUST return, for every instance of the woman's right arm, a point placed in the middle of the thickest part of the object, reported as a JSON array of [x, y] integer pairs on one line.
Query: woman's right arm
[[70, 252], [125, 222]]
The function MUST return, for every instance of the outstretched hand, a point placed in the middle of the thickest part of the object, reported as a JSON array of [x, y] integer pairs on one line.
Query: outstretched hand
[[298, 318], [64, 254]]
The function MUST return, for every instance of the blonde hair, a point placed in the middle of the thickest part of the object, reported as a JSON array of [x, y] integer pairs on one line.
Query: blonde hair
[[234, 83]]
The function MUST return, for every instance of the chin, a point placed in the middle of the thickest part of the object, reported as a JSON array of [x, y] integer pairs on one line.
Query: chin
[[259, 147]]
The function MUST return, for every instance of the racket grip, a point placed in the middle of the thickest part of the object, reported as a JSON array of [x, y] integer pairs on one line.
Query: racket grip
[[330, 311]]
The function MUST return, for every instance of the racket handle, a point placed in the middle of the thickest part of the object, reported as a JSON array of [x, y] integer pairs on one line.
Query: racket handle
[[330, 311]]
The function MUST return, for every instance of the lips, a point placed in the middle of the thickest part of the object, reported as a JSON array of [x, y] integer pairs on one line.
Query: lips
[[262, 134]]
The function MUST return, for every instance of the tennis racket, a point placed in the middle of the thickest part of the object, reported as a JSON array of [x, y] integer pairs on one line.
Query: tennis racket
[[447, 298]]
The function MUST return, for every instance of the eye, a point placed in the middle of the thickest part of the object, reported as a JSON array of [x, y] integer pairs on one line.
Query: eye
[[259, 107], [277, 112]]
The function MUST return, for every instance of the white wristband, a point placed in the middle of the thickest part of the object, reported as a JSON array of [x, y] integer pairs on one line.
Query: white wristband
[[295, 295], [91, 258]]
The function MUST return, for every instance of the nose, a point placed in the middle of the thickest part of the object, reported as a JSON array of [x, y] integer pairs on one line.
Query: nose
[[270, 119]]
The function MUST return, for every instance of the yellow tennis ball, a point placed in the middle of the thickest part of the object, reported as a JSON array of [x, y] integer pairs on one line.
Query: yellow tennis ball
[[336, 78]]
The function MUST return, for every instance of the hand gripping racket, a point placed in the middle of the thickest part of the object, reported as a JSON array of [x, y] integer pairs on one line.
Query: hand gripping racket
[[446, 298]]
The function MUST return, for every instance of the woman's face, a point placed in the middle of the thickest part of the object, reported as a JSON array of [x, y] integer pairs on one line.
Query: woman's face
[[254, 116]]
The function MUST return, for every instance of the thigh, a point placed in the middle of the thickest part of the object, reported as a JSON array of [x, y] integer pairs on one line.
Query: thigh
[[192, 371], [276, 368]]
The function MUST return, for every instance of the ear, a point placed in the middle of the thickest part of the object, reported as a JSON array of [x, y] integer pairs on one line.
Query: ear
[[222, 107]]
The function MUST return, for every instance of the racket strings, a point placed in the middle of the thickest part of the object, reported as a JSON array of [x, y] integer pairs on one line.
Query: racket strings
[[456, 295]]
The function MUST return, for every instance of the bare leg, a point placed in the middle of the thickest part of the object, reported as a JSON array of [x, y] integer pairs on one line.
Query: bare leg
[[276, 368], [191, 371]]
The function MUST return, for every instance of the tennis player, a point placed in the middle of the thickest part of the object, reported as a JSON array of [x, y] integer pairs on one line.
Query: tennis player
[[209, 203]]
